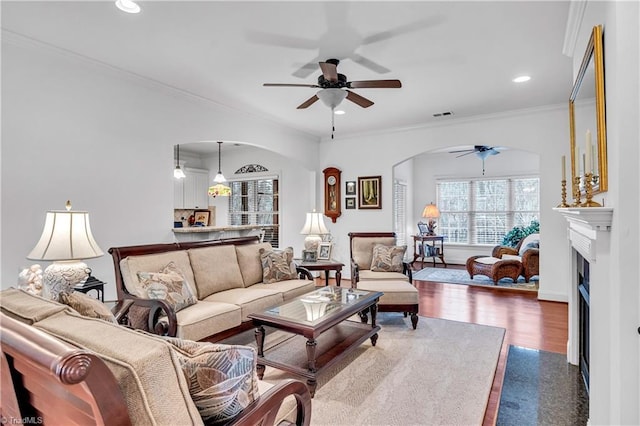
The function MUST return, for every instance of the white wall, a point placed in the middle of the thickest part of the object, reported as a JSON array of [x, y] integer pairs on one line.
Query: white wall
[[543, 132], [72, 129]]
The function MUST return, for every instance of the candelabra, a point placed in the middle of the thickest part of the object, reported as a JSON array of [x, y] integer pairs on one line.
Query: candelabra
[[564, 194], [588, 188], [576, 192]]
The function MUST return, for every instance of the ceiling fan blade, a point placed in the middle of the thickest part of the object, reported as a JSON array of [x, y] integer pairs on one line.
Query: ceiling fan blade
[[357, 99], [375, 84], [308, 102], [466, 153], [329, 71], [307, 69], [289, 85], [368, 63], [461, 150]]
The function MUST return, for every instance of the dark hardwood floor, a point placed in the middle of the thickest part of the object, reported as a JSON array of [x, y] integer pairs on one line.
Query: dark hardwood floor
[[528, 321]]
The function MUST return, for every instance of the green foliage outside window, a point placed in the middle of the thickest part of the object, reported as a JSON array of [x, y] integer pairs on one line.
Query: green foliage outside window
[[513, 237]]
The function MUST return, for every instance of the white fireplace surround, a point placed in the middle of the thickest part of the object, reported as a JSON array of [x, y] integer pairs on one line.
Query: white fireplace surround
[[589, 234]]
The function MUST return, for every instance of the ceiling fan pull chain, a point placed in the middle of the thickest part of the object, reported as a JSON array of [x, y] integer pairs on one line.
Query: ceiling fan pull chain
[[333, 122]]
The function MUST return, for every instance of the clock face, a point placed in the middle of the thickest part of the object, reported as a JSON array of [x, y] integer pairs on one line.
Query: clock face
[[331, 180]]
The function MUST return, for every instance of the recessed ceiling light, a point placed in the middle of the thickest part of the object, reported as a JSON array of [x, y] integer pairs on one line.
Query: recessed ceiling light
[[338, 112], [521, 79], [128, 6]]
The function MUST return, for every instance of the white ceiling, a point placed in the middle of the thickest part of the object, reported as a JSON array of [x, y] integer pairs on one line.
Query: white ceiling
[[450, 56]]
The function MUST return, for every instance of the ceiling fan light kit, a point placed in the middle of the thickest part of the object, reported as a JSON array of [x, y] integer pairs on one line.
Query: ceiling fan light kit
[[334, 88]]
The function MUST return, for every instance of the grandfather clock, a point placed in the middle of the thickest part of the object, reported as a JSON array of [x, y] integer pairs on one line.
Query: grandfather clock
[[332, 193]]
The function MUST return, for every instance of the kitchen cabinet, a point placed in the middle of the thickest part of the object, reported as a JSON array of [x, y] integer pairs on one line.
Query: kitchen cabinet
[[191, 192]]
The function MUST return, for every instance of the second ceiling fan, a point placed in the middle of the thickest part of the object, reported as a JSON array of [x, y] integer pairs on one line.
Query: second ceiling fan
[[482, 151], [334, 87]]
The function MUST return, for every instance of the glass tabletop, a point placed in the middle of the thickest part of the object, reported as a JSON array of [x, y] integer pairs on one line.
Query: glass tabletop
[[320, 304]]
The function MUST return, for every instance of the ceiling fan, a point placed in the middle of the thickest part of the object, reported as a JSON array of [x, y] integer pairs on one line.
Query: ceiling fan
[[482, 151], [334, 87]]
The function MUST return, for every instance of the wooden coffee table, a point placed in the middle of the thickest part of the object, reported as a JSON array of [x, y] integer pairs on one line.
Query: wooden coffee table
[[318, 321]]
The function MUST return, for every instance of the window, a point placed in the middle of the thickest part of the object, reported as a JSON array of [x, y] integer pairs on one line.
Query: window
[[255, 202], [481, 211], [399, 212]]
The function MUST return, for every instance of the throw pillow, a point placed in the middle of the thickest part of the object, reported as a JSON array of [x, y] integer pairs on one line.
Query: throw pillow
[[277, 266], [222, 379], [87, 306], [387, 258], [532, 244], [169, 285]]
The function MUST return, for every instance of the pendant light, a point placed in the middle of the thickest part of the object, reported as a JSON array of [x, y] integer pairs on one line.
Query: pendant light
[[177, 172], [219, 189]]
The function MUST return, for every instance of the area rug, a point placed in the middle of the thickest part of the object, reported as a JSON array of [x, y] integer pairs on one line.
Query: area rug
[[440, 373], [461, 276], [542, 388]]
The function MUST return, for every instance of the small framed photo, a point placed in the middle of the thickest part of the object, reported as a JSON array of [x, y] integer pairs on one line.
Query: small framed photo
[[324, 251], [201, 217], [350, 188], [370, 192], [309, 255], [423, 228], [350, 202]]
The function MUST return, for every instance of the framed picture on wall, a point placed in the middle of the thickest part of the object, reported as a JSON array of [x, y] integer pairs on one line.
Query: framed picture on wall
[[370, 192], [350, 202], [350, 187]]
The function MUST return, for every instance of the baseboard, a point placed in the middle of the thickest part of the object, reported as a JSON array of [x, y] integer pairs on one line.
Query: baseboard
[[553, 297]]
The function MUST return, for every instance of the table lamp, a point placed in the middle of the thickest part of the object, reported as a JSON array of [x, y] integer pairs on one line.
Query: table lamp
[[66, 239], [313, 228], [431, 213]]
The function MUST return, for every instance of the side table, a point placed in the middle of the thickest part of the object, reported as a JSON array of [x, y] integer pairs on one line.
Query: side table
[[324, 265], [421, 245], [92, 283]]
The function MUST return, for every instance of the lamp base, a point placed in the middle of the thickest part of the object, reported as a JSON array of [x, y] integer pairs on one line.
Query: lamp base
[[431, 227], [61, 277], [311, 242]]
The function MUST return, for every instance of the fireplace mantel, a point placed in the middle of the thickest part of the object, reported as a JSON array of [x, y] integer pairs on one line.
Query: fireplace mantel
[[594, 218]]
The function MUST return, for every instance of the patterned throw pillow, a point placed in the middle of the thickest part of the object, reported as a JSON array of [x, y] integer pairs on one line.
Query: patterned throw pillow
[[277, 266], [169, 285], [222, 379], [87, 306], [387, 258]]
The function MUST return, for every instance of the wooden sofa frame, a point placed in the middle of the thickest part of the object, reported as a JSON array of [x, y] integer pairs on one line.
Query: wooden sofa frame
[[47, 381], [158, 308]]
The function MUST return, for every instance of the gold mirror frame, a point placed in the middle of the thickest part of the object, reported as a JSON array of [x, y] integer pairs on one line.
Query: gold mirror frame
[[593, 62]]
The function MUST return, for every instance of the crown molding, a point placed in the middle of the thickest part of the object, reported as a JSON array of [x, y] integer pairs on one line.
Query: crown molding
[[574, 22]]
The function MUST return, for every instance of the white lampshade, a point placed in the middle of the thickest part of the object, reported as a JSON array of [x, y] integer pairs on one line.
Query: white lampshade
[[66, 239], [66, 236], [313, 228]]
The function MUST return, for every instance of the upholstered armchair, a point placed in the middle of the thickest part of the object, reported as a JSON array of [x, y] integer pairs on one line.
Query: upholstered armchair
[[377, 264], [527, 251]]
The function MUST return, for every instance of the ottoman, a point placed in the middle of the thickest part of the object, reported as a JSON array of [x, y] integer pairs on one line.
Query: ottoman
[[399, 296], [494, 268]]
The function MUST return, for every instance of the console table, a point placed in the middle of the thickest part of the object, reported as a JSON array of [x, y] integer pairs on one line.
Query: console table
[[436, 248], [324, 265]]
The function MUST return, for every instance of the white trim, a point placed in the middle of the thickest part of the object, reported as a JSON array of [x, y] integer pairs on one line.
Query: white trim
[[574, 21]]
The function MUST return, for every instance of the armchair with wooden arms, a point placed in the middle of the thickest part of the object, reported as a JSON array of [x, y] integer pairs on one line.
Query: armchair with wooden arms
[[527, 251]]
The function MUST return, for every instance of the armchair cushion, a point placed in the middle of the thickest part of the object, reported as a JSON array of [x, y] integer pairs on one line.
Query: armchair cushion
[[387, 258], [368, 275], [222, 379], [362, 249], [169, 284], [277, 266]]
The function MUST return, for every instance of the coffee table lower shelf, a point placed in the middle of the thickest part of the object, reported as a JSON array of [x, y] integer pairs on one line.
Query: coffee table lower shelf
[[332, 346]]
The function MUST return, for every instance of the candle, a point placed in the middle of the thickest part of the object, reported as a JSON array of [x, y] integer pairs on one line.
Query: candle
[[584, 163], [576, 162], [587, 151], [564, 171]]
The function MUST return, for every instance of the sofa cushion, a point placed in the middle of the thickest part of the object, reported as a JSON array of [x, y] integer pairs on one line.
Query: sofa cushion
[[215, 269], [367, 275], [277, 265], [27, 307], [87, 306], [207, 318], [250, 299], [168, 284], [289, 288], [362, 249], [146, 367], [222, 379], [387, 258], [250, 263], [130, 266]]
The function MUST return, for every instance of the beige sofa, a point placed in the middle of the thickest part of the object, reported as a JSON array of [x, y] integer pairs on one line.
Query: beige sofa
[[54, 359], [225, 275]]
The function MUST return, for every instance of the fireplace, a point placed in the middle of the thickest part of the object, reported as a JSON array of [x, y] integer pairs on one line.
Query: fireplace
[[582, 274]]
